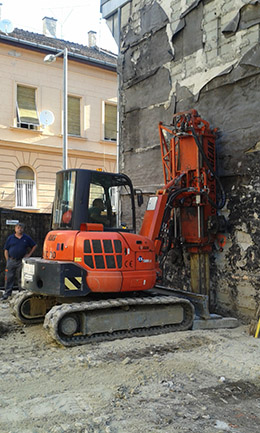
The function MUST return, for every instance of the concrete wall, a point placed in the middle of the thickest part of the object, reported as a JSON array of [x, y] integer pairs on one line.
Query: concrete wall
[[177, 55], [41, 149]]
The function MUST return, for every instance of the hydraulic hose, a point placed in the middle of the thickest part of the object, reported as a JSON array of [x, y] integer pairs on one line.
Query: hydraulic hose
[[223, 195]]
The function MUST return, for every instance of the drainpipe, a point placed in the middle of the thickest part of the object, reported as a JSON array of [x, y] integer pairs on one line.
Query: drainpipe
[[118, 99], [118, 135]]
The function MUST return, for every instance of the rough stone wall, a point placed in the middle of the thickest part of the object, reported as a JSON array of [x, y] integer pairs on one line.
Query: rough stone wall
[[177, 55]]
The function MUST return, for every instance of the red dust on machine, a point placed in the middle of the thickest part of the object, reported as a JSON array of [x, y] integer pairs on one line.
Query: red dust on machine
[[97, 281]]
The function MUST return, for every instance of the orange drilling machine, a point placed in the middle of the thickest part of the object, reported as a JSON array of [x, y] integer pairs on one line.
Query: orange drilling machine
[[97, 278]]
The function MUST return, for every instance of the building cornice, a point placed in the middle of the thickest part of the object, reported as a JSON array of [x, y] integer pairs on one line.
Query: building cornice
[[45, 49], [72, 153]]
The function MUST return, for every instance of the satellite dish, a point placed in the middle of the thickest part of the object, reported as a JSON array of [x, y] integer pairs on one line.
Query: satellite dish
[[46, 118], [6, 26]]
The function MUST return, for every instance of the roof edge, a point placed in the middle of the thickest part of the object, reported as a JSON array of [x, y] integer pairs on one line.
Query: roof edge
[[47, 49]]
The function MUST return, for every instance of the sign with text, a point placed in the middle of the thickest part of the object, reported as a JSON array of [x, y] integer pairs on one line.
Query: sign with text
[[11, 222]]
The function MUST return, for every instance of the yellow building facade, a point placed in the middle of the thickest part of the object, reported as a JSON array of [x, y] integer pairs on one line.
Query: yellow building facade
[[30, 151]]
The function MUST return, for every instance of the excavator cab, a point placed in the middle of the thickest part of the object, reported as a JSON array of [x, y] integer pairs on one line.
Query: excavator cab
[[88, 196]]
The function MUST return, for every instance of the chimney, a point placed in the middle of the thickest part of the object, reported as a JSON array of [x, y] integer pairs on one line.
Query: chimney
[[49, 27], [92, 40]]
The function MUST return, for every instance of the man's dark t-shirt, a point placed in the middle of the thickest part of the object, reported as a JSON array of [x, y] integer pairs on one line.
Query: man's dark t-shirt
[[18, 248]]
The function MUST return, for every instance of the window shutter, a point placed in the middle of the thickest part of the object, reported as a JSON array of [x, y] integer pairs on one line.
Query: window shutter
[[27, 105], [110, 122], [73, 115]]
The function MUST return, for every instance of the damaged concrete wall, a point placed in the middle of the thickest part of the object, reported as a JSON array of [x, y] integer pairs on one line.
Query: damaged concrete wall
[[183, 54]]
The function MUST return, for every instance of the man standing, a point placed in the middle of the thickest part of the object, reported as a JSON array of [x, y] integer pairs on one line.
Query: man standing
[[17, 246]]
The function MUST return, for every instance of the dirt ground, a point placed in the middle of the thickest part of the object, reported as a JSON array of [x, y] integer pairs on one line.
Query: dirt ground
[[192, 381]]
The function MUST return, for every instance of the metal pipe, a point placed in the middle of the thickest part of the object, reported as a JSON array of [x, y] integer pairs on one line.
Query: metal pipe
[[49, 59], [65, 109]]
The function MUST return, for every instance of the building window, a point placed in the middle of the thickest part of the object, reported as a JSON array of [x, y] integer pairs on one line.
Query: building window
[[113, 25], [25, 188], [110, 124], [27, 115], [73, 115]]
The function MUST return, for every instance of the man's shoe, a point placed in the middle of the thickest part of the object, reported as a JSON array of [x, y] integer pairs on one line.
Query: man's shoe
[[4, 298]]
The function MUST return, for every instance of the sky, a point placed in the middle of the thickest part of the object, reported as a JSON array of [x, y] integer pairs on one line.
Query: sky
[[75, 19]]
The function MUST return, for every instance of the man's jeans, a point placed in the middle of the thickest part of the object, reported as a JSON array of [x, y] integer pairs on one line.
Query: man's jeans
[[13, 268]]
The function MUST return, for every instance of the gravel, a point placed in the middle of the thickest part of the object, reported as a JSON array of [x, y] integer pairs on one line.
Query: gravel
[[192, 381]]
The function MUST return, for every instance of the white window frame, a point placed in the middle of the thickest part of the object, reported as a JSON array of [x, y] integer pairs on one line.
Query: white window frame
[[104, 103], [80, 115], [24, 124], [25, 192]]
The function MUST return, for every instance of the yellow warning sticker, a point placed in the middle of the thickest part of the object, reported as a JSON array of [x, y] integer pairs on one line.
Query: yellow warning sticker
[[77, 259], [73, 283]]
